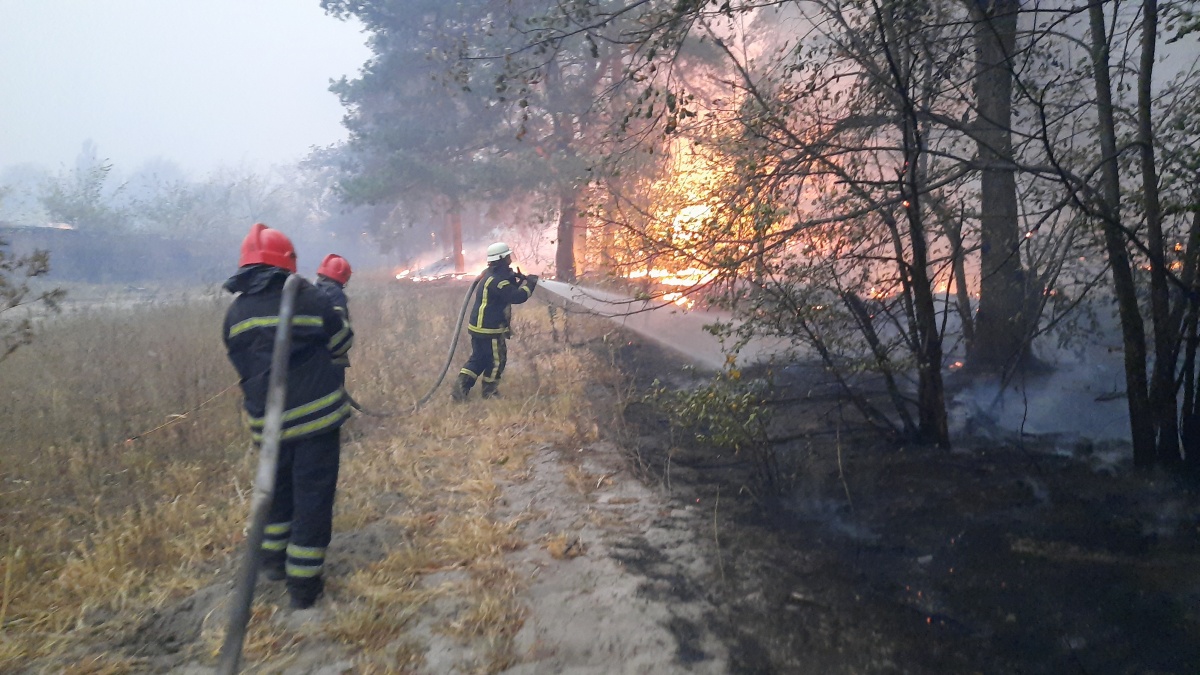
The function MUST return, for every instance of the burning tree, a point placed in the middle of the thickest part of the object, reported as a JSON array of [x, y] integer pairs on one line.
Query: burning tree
[[426, 137], [900, 190], [897, 186], [825, 227], [452, 107]]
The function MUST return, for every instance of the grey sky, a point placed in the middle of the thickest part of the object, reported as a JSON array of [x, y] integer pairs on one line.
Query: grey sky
[[203, 83]]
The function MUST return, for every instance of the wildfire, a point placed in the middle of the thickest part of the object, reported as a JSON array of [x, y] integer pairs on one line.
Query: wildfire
[[686, 278]]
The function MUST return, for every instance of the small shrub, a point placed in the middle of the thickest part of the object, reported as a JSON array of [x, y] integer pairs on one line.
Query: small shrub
[[730, 413]]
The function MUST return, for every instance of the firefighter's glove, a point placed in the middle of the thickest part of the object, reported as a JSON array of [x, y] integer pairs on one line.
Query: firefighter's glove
[[533, 281]]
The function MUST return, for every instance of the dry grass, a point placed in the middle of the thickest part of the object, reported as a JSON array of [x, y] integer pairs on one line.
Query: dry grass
[[565, 545], [98, 532], [585, 482], [445, 465], [96, 527]]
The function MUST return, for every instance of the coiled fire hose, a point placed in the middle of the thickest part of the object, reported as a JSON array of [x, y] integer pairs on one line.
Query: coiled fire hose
[[462, 315]]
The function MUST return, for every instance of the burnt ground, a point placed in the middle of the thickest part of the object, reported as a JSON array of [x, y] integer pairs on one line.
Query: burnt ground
[[1004, 555]]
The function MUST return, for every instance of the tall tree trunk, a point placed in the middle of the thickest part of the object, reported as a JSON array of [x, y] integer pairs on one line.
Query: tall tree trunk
[[608, 235], [962, 293], [1186, 315], [454, 219], [1141, 417], [581, 244], [1163, 393], [1190, 426], [931, 398], [564, 256], [1001, 322]]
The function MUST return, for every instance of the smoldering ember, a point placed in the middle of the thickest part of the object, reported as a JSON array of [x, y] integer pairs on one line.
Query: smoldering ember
[[617, 337]]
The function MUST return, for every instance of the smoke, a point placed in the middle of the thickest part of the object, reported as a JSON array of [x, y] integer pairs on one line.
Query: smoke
[[1081, 398]]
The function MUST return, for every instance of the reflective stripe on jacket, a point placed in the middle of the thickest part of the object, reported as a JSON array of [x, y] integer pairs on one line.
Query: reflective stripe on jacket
[[316, 401], [499, 290], [337, 295]]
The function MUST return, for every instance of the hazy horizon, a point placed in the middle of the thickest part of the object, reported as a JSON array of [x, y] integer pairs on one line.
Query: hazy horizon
[[201, 83]]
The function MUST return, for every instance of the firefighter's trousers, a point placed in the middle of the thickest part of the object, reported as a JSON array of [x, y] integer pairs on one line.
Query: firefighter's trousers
[[489, 355], [300, 520]]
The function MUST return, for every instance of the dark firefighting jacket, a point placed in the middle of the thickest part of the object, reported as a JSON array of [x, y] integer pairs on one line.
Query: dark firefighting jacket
[[500, 289], [337, 295], [316, 402]]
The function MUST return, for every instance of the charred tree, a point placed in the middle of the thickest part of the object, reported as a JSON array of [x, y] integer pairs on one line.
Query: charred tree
[[1141, 416], [1001, 321], [455, 238], [564, 255], [1163, 400]]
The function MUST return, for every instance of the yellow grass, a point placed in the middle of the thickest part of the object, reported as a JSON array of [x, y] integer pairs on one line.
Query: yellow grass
[[98, 531]]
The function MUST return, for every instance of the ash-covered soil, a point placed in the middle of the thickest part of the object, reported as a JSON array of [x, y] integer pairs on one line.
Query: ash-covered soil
[[1004, 555]]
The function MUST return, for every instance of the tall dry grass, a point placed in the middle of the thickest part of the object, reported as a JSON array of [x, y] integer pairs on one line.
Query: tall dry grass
[[95, 524], [98, 531], [445, 466]]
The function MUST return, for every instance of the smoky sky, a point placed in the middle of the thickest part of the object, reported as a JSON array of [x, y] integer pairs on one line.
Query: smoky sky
[[202, 83]]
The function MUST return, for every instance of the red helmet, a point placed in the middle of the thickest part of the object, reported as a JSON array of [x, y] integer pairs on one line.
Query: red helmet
[[267, 246], [335, 267]]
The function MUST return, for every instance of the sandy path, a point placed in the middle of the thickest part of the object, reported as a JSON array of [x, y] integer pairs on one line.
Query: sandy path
[[629, 596], [630, 603]]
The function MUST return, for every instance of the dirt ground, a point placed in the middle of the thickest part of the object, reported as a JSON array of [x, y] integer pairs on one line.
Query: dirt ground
[[998, 557]]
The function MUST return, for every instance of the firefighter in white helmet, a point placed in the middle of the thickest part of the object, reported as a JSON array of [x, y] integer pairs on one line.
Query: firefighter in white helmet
[[488, 322]]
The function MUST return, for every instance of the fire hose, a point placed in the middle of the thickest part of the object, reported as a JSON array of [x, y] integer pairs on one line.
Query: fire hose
[[462, 315], [176, 418], [264, 483]]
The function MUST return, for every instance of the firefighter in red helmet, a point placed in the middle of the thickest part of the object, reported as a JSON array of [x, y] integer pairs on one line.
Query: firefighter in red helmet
[[300, 519], [332, 277]]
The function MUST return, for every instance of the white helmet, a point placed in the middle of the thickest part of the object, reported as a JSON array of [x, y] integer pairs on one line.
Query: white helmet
[[497, 251]]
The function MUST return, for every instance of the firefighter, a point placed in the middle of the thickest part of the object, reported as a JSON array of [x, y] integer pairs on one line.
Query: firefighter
[[488, 322], [300, 518], [332, 277]]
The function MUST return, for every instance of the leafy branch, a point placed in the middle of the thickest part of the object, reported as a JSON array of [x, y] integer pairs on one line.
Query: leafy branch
[[17, 300]]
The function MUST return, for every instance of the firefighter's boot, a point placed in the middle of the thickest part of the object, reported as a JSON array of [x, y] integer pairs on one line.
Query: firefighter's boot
[[462, 387], [304, 591], [272, 565], [490, 390]]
